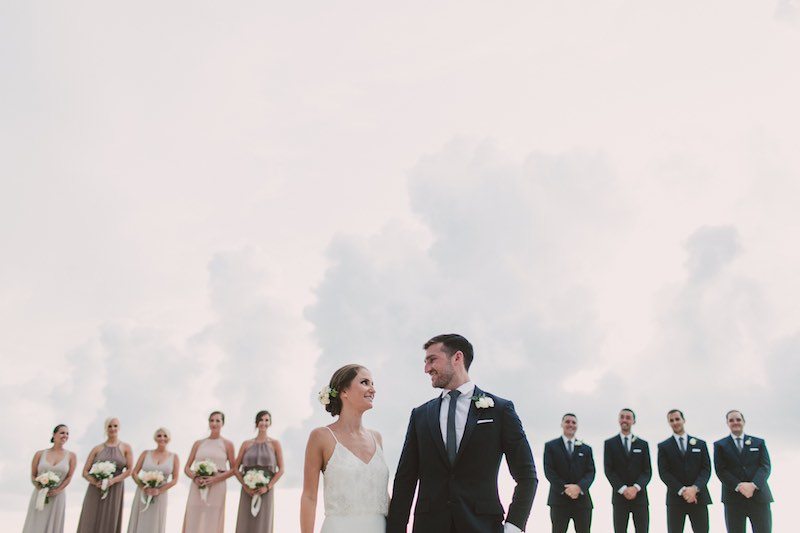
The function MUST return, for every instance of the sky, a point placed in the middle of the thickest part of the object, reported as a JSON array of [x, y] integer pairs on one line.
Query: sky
[[207, 206]]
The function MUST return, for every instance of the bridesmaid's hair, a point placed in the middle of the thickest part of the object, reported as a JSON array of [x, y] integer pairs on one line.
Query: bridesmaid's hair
[[262, 413], [165, 431], [220, 413], [106, 423], [340, 380], [55, 430]]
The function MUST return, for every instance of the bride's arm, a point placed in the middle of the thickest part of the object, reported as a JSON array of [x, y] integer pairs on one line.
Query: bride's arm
[[311, 470]]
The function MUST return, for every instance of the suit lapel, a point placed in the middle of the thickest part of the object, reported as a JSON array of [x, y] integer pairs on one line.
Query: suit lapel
[[436, 429], [472, 421]]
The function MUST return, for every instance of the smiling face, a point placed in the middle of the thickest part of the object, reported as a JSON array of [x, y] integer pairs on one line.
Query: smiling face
[[61, 436], [626, 421], [112, 428], [215, 422], [360, 394], [440, 366], [264, 421], [676, 422], [162, 438], [569, 425], [736, 422]]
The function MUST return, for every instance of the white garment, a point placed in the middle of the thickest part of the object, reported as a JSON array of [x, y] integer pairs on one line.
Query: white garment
[[356, 493], [467, 391]]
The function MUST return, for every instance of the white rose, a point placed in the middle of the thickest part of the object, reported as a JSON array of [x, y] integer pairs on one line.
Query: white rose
[[484, 402], [692, 441]]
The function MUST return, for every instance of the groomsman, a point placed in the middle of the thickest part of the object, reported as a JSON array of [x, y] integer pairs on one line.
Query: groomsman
[[685, 468], [569, 467], [627, 465], [742, 465]]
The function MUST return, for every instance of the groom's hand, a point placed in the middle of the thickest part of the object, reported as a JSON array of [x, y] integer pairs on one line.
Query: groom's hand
[[573, 491]]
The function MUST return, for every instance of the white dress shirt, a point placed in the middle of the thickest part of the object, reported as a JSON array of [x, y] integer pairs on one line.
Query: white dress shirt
[[685, 438], [467, 391]]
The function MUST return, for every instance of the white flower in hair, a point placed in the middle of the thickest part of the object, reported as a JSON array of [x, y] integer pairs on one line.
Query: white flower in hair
[[325, 395]]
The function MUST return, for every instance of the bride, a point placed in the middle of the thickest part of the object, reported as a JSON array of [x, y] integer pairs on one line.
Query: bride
[[351, 458]]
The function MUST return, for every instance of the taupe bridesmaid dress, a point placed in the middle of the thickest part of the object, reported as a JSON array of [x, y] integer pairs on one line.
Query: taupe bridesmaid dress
[[51, 518], [104, 516], [154, 519], [259, 456]]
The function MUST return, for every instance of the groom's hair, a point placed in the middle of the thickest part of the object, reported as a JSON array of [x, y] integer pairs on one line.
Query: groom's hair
[[452, 343]]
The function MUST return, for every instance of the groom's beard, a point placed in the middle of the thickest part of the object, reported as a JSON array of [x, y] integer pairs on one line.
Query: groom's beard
[[441, 380]]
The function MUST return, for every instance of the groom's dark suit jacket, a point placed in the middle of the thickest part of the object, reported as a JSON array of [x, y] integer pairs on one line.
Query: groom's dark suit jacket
[[623, 469], [684, 470], [751, 465], [463, 494]]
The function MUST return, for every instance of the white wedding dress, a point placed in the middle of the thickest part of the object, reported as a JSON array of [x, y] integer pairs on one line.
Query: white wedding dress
[[356, 493]]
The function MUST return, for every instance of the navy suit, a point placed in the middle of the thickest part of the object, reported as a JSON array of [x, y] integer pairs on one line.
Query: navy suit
[[750, 465], [462, 496], [561, 469], [678, 470], [628, 469]]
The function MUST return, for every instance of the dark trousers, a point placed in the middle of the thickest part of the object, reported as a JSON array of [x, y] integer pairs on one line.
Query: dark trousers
[[760, 516], [561, 515], [641, 518], [698, 516]]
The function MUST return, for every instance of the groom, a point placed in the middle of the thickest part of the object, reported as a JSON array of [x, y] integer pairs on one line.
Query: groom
[[454, 445]]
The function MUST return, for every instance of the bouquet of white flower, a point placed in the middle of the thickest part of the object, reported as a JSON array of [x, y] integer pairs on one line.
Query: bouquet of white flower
[[103, 471], [206, 468], [152, 480], [255, 479], [46, 481]]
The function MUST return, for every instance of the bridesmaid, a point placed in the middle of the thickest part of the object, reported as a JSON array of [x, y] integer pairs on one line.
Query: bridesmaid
[[154, 519], [105, 515], [209, 516], [58, 460], [260, 453]]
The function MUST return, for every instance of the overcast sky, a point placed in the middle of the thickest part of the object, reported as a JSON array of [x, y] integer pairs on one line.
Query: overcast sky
[[215, 206]]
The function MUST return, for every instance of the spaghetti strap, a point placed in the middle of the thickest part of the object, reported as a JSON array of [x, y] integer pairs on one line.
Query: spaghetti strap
[[332, 433]]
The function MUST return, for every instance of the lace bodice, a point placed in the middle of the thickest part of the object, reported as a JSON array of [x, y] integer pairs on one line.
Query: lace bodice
[[353, 487]]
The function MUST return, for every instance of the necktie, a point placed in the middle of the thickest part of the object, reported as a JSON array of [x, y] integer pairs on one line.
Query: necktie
[[569, 447], [739, 444], [451, 426], [682, 446], [627, 450]]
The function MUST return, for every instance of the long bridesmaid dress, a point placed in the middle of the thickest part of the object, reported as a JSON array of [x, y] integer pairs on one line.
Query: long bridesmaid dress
[[51, 518], [104, 516], [208, 516], [259, 456], [154, 519]]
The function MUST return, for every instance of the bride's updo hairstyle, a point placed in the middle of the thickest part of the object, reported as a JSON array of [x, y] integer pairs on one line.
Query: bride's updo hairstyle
[[341, 380]]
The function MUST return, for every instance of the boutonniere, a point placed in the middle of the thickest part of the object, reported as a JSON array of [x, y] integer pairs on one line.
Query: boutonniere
[[748, 442], [578, 442], [482, 401], [693, 441], [633, 439]]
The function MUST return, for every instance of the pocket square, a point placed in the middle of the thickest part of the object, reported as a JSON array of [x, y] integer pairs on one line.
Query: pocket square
[[636, 450], [753, 449], [696, 450], [485, 421], [580, 455]]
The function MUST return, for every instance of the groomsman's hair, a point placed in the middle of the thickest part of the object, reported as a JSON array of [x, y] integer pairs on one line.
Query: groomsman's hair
[[452, 343], [630, 411], [678, 411], [734, 411], [573, 415]]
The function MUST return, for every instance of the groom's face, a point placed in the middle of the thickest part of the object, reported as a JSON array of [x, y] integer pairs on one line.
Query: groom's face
[[439, 366]]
